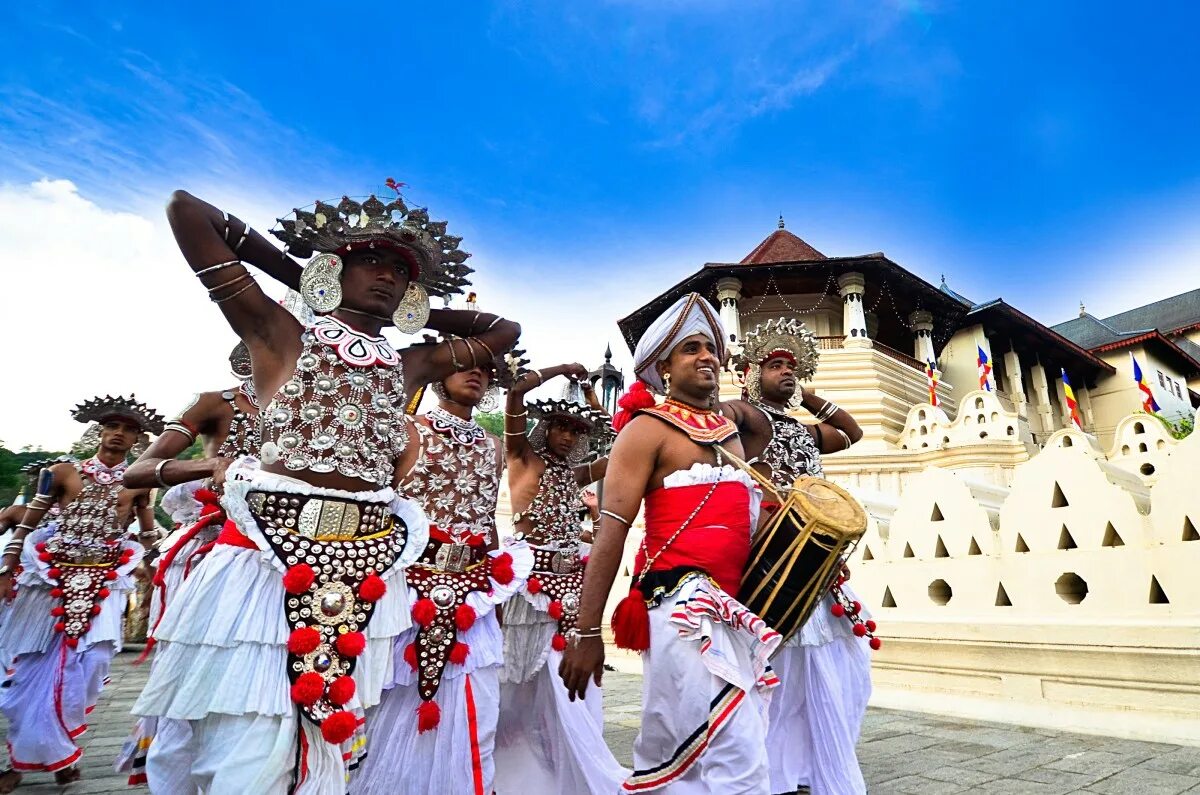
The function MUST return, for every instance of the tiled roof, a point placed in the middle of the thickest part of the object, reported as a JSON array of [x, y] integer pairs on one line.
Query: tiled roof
[[1090, 332], [781, 246], [1166, 315]]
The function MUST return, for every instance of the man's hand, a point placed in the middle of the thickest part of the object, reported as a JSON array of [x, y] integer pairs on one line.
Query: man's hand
[[576, 371], [8, 581], [586, 661], [218, 475]]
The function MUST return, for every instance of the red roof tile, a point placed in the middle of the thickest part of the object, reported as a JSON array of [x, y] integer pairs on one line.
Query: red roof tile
[[782, 246]]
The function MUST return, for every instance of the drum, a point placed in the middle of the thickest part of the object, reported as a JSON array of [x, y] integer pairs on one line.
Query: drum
[[797, 555]]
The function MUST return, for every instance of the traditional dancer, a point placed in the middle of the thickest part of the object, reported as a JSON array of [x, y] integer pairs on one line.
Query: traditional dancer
[[544, 743], [824, 670], [286, 629], [437, 718], [65, 623], [227, 420], [706, 677]]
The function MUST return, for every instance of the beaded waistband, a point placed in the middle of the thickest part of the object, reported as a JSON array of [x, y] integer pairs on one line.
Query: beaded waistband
[[321, 518]]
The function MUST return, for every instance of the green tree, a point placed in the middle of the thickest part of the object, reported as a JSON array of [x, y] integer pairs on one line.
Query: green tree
[[11, 464], [491, 421]]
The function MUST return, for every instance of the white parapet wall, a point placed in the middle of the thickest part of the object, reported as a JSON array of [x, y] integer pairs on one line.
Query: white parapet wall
[[1070, 600]]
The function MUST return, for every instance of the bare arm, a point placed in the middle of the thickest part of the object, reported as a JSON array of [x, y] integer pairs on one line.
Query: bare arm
[[590, 473], [199, 418], [833, 427], [479, 337], [516, 420], [632, 463], [51, 482]]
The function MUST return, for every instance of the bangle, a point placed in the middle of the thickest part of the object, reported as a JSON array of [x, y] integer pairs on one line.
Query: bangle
[[495, 320], [179, 427], [517, 416], [590, 471], [158, 473], [474, 320], [845, 438], [240, 277], [217, 267], [536, 374], [235, 294], [245, 234], [453, 355], [491, 354], [514, 433], [611, 515]]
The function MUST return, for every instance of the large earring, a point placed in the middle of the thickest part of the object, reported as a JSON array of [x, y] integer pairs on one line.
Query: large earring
[[754, 383], [321, 283], [413, 312], [439, 389], [667, 383]]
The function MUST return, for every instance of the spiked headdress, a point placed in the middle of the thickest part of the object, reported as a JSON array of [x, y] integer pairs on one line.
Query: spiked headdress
[[597, 436], [99, 409], [776, 337], [435, 260]]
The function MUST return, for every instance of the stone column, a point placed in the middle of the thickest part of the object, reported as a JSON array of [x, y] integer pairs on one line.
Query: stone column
[[1085, 406], [1041, 394], [854, 320], [1014, 384], [729, 292], [922, 326]]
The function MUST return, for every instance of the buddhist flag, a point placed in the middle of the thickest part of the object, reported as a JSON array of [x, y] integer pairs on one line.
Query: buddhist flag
[[985, 370], [931, 378], [1072, 404], [1149, 404]]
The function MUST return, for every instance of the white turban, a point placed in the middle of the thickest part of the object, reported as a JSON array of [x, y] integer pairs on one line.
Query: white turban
[[690, 315]]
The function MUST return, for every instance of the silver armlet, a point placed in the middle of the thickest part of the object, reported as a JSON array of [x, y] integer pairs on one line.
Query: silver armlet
[[611, 515], [158, 473]]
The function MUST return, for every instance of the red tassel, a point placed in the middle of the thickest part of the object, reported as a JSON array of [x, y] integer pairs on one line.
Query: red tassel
[[429, 715], [303, 640], [145, 655], [103, 593], [372, 588], [424, 611], [558, 642], [555, 610], [299, 578], [533, 585], [308, 687], [502, 572], [351, 644], [73, 642], [464, 617], [638, 397], [459, 652], [631, 622], [341, 690], [57, 610], [339, 727], [206, 496]]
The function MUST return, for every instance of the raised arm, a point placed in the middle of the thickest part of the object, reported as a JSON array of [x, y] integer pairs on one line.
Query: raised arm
[[590, 473], [632, 463], [837, 430], [516, 416], [472, 339]]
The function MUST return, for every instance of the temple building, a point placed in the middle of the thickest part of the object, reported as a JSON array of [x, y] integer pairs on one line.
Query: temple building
[[1022, 564]]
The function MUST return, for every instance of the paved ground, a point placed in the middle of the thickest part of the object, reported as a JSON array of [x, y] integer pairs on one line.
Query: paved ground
[[901, 752]]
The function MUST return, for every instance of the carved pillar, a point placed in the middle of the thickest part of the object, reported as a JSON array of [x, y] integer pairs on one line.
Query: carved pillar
[[1014, 384], [854, 320], [1041, 397], [729, 293], [922, 326]]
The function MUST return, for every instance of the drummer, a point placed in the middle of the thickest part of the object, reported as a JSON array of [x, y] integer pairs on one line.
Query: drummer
[[706, 678], [825, 670]]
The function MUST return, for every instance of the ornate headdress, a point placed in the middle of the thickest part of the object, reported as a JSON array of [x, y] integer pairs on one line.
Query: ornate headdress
[[691, 314], [597, 435], [776, 337], [99, 409]]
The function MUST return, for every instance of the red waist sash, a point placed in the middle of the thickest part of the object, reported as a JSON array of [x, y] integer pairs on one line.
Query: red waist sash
[[717, 541]]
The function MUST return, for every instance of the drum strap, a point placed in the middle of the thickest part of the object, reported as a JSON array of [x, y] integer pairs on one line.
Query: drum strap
[[762, 480]]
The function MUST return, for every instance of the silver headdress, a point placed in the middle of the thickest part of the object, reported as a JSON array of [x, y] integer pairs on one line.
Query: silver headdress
[[596, 438], [99, 409], [778, 336], [437, 262]]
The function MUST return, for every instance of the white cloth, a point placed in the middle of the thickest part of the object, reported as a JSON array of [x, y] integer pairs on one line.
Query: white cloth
[[181, 505], [544, 741], [222, 651], [816, 713], [691, 314], [703, 641]]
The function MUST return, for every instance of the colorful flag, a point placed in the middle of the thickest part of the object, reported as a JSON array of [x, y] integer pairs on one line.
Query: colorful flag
[[1149, 404], [985, 370], [931, 378], [1072, 404]]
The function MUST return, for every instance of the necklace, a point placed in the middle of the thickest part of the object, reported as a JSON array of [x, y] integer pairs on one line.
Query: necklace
[[460, 430], [366, 314], [353, 346], [769, 409], [103, 474]]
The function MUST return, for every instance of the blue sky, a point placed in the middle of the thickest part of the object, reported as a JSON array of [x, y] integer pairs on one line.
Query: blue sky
[[597, 152]]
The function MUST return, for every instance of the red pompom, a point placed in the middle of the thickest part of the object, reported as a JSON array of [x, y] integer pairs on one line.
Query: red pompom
[[638, 397], [429, 715], [56, 593], [40, 546], [299, 578], [372, 588], [502, 573], [558, 642], [837, 610], [95, 610], [103, 593], [424, 611], [533, 585], [631, 622], [555, 610], [304, 640], [57, 611], [410, 655], [54, 574], [341, 690], [72, 642], [856, 608], [45, 557], [859, 630], [205, 495], [110, 575], [459, 652], [308, 687], [351, 644], [871, 625], [464, 617], [876, 643], [339, 727], [60, 627], [503, 558]]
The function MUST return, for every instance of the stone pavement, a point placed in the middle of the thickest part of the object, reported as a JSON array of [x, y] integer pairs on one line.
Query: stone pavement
[[901, 752]]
